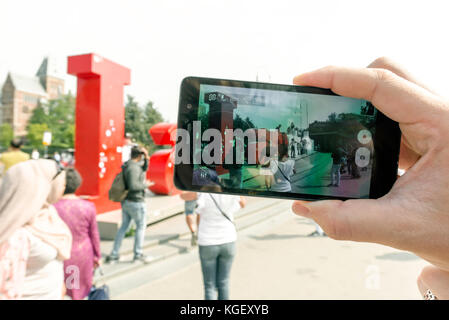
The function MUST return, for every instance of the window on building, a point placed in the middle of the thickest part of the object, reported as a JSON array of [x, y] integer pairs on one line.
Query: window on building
[[30, 99]]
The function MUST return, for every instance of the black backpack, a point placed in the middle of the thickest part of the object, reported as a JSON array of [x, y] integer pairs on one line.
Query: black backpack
[[118, 191]]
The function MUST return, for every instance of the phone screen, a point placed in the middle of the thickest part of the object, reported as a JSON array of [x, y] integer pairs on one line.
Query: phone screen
[[251, 140]]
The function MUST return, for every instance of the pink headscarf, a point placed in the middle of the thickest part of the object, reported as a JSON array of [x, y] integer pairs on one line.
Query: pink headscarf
[[26, 194]]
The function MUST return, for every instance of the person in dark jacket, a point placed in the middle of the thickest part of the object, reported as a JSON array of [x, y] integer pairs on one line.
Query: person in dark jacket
[[134, 206], [338, 155]]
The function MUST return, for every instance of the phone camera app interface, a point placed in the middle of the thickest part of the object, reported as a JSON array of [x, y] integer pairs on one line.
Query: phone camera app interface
[[283, 141]]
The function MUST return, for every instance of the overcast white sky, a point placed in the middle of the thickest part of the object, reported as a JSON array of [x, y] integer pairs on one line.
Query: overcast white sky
[[164, 41]]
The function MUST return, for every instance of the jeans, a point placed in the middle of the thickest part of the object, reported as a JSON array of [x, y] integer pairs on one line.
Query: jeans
[[189, 207], [136, 211], [216, 261], [335, 174]]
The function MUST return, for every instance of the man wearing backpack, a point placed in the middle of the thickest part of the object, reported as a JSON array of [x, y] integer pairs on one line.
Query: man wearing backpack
[[134, 205]]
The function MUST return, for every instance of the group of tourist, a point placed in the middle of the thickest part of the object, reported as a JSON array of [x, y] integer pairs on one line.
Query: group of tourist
[[39, 239], [49, 241]]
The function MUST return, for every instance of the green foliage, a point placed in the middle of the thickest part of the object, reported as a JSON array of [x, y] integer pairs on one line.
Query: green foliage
[[59, 117], [333, 117], [244, 124], [139, 120], [6, 135], [36, 133]]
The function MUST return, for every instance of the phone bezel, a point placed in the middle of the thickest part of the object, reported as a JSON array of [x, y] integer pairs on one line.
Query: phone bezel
[[386, 141]]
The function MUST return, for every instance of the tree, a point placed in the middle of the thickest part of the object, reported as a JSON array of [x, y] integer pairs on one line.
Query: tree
[[6, 135], [134, 120], [36, 134], [333, 117], [151, 116], [59, 117], [139, 120]]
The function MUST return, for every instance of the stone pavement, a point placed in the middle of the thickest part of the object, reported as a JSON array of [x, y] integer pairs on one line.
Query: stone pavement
[[276, 260], [171, 237]]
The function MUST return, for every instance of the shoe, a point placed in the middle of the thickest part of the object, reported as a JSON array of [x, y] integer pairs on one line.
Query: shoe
[[331, 185], [143, 258], [112, 259], [194, 240]]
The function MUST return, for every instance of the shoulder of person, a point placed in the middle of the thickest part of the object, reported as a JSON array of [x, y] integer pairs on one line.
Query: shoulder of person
[[229, 197], [87, 203]]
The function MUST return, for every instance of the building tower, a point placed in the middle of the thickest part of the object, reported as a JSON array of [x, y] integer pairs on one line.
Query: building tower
[[50, 78], [22, 94]]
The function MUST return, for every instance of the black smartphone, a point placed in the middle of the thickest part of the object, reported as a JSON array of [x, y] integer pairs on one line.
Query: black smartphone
[[282, 141]]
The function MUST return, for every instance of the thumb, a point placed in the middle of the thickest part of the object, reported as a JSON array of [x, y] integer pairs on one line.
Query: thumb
[[435, 280], [358, 220]]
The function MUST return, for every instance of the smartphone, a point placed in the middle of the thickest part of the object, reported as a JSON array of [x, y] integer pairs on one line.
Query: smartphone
[[282, 141]]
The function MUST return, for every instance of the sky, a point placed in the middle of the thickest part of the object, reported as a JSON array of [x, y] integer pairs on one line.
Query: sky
[[280, 107], [164, 41]]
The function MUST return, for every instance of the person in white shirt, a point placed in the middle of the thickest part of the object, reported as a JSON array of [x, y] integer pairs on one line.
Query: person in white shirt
[[35, 154], [282, 172], [216, 240]]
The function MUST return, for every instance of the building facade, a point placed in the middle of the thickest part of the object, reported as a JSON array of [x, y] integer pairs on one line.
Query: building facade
[[22, 94]]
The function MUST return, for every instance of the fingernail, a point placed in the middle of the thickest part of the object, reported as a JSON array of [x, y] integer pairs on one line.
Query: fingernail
[[301, 208]]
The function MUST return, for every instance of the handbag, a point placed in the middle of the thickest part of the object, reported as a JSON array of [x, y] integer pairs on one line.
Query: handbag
[[99, 292]]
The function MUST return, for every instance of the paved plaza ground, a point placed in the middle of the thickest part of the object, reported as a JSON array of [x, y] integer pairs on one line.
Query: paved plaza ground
[[275, 260], [313, 176]]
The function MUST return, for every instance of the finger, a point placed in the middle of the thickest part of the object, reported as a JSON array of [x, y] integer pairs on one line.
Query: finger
[[396, 68], [407, 157], [435, 280], [399, 99], [357, 220]]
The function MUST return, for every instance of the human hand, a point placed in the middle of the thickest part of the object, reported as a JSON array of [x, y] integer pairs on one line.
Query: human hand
[[97, 264], [149, 183], [145, 152], [242, 202], [435, 280], [414, 215]]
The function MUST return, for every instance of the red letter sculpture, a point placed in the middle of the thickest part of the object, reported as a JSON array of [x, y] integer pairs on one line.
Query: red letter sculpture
[[162, 161], [100, 119]]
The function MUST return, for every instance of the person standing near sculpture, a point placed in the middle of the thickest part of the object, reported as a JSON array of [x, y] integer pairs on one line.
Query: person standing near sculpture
[[80, 217], [14, 155], [338, 154], [134, 206], [217, 237], [192, 219], [34, 241]]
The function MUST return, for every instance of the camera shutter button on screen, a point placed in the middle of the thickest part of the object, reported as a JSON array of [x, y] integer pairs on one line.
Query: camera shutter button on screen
[[362, 157], [364, 136]]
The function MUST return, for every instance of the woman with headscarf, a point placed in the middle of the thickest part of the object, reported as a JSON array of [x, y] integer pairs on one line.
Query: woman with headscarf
[[34, 241], [81, 217]]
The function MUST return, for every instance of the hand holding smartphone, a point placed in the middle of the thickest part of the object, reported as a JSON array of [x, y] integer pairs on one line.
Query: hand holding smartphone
[[282, 141]]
